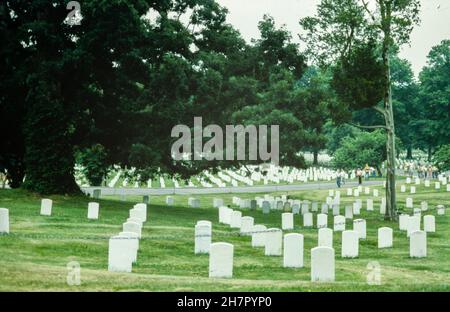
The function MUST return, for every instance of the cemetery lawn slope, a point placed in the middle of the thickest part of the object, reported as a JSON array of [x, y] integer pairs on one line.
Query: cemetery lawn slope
[[34, 256]]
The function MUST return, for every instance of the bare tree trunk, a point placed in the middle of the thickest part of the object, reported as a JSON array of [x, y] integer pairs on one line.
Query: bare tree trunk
[[391, 201], [409, 152], [316, 157]]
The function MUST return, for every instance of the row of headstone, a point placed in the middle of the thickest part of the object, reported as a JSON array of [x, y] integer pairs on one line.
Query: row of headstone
[[123, 248], [92, 213], [412, 224]]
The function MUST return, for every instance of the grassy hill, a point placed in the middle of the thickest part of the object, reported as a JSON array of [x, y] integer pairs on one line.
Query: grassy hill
[[35, 255]]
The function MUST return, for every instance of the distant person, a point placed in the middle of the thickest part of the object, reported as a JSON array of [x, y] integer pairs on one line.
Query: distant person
[[338, 179], [359, 174]]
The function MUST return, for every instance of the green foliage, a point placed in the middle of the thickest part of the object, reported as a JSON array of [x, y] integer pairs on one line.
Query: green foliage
[[442, 158], [359, 78], [336, 134], [433, 126], [94, 163], [365, 148]]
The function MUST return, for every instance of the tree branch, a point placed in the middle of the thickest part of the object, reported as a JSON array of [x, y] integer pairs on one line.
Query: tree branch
[[380, 110], [366, 8], [368, 127]]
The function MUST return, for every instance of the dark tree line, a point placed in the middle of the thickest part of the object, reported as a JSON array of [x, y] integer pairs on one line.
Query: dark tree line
[[109, 90]]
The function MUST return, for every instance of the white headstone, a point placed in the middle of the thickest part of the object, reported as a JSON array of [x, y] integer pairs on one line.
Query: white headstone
[[266, 207], [325, 237], [437, 185], [339, 223], [350, 244], [403, 222], [336, 210], [403, 188], [383, 206], [408, 180], [417, 212], [448, 187], [308, 219], [305, 208], [322, 220], [322, 264], [274, 238], [119, 257], [4, 220], [385, 237], [356, 208], [132, 227], [223, 211], [427, 183], [331, 193], [247, 225], [46, 207], [424, 206], [287, 221], [217, 202], [356, 193], [296, 209], [236, 219], [359, 225], [349, 212], [417, 180], [293, 251], [133, 244], [324, 208], [375, 193], [413, 224], [169, 201], [413, 190], [429, 224], [369, 204], [221, 260], [418, 244], [349, 192], [139, 214], [258, 236], [93, 209], [203, 233], [314, 207], [366, 191], [440, 210], [409, 202]]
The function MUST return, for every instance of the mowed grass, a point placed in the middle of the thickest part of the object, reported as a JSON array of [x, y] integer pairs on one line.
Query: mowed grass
[[35, 255]]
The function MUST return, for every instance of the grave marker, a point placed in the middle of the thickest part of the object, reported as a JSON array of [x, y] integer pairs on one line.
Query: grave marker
[[274, 242], [293, 251], [325, 237], [4, 220], [46, 207], [350, 244], [322, 264], [221, 260], [287, 221], [93, 209], [385, 237], [418, 244]]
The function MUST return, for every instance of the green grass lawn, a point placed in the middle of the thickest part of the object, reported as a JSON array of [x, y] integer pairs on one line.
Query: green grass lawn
[[35, 255]]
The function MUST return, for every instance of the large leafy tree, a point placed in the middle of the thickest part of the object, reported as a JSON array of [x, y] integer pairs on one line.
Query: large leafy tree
[[364, 148], [361, 36], [434, 99]]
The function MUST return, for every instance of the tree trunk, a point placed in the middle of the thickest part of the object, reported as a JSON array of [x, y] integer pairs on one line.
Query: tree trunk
[[316, 157], [380, 174], [409, 152], [391, 204], [430, 153]]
